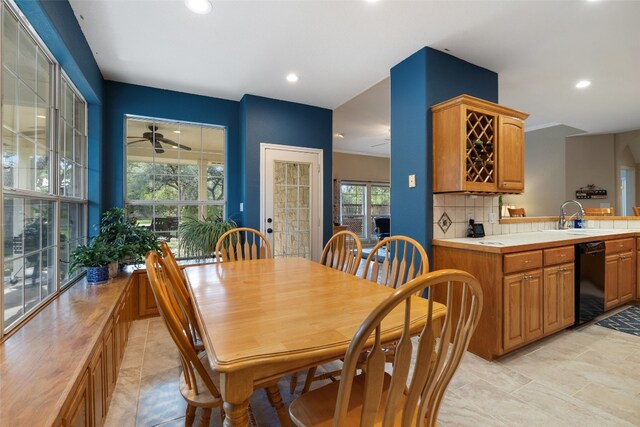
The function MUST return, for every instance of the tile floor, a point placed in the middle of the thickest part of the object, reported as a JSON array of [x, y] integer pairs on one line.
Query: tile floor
[[584, 377]]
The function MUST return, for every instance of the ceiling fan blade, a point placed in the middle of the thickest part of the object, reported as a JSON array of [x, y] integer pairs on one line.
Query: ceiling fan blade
[[174, 144], [137, 140], [157, 146], [378, 145]]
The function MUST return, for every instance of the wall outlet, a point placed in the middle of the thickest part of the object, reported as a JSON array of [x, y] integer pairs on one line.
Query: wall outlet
[[493, 218], [412, 181]]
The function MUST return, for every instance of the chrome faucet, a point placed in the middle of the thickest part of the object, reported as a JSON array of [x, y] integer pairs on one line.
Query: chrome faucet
[[565, 223]]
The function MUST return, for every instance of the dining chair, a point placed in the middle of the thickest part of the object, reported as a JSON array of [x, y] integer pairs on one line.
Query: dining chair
[[379, 398], [198, 381], [516, 212], [182, 292], [395, 260], [343, 252], [599, 211], [636, 211], [392, 262], [241, 244]]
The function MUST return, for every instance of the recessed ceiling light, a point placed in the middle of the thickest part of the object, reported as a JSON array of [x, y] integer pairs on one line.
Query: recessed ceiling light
[[583, 83], [41, 117], [176, 131], [371, 1], [292, 78], [199, 6], [340, 135]]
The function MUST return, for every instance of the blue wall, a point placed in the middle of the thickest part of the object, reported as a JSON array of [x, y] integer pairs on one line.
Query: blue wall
[[57, 26], [122, 99], [426, 78], [285, 123]]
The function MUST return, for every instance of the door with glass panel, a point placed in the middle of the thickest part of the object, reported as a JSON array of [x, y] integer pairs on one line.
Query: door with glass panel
[[291, 199]]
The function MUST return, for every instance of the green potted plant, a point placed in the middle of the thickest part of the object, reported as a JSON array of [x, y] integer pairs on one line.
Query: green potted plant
[[132, 241], [198, 237], [95, 256]]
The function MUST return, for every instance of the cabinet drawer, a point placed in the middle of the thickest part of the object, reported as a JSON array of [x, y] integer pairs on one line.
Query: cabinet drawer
[[558, 255], [522, 261], [617, 246]]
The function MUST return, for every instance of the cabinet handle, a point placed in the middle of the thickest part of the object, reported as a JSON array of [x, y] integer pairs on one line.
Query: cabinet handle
[[526, 261], [526, 277], [562, 269]]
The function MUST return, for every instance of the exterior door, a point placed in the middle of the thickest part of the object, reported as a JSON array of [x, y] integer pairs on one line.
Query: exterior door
[[291, 200]]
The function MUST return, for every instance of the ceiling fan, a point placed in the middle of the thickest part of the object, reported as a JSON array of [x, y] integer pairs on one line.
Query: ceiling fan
[[156, 138]]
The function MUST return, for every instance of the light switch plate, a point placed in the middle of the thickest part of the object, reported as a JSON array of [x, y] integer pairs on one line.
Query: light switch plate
[[241, 206], [412, 181]]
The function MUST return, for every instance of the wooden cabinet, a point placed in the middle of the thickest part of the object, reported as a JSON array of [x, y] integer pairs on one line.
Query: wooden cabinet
[[78, 413], [147, 306], [619, 272], [478, 147], [559, 293], [523, 296], [97, 387]]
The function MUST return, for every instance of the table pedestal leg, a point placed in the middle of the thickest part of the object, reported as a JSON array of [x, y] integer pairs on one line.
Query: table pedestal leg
[[235, 388]]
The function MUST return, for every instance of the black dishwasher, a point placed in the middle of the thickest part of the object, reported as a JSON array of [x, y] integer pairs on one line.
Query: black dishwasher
[[589, 281]]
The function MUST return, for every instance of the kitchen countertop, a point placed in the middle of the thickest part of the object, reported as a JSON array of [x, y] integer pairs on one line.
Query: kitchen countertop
[[516, 242]]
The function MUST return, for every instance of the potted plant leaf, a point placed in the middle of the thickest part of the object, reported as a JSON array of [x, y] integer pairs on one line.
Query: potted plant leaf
[[95, 256], [198, 237], [131, 240]]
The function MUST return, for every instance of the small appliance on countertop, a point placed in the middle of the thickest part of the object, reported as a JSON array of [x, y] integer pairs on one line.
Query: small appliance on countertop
[[475, 230]]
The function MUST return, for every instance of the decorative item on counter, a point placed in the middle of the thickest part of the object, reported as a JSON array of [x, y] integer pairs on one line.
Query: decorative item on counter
[[591, 191]]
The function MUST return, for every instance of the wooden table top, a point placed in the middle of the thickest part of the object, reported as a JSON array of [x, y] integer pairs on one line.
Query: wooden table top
[[279, 310]]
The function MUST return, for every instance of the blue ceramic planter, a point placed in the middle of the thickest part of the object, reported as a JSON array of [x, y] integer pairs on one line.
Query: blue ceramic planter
[[97, 274]]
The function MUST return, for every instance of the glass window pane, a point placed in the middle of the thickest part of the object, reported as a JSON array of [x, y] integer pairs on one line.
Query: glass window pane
[[9, 101], [43, 76], [27, 59], [9, 42]]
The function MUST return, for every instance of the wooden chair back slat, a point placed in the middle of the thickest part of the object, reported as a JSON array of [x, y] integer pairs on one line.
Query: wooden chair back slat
[[175, 318], [242, 244], [428, 382], [343, 252], [403, 260], [401, 365]]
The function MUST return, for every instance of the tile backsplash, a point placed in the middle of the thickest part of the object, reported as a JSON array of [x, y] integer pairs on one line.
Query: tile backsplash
[[459, 208]]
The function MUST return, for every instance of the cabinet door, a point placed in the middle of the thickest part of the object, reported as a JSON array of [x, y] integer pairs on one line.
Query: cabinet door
[[611, 298], [625, 277], [78, 414], [567, 295], [511, 155], [552, 300], [147, 303], [533, 294], [559, 293], [513, 321], [97, 387], [480, 148]]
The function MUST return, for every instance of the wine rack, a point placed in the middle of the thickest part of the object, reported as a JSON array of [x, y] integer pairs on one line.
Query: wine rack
[[480, 145]]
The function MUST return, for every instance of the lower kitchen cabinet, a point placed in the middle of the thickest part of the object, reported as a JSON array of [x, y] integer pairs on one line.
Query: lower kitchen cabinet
[[147, 306], [78, 413], [523, 302], [619, 272], [559, 297]]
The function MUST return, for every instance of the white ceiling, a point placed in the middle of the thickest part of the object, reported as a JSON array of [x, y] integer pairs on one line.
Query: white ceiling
[[540, 49]]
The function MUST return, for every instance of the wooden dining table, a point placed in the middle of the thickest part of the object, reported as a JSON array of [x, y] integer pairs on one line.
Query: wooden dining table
[[266, 318]]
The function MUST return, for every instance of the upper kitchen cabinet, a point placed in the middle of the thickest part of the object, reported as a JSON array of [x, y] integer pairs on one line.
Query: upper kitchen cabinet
[[478, 147]]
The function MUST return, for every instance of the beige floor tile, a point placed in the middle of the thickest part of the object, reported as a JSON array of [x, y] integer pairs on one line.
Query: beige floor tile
[[139, 329], [456, 411], [569, 410], [503, 406], [473, 367], [618, 404], [612, 373]]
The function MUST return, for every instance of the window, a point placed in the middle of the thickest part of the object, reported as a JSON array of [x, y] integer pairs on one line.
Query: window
[[43, 173], [174, 170], [360, 203]]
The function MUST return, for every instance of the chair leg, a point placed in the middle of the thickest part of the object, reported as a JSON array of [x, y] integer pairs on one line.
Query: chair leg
[[307, 382], [206, 417], [252, 418], [293, 383], [190, 415], [273, 394]]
